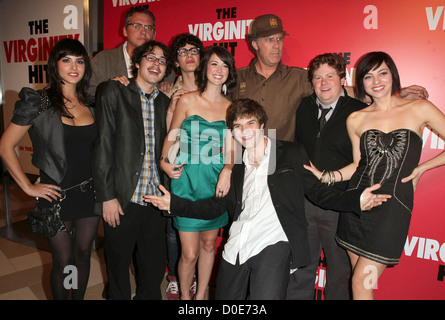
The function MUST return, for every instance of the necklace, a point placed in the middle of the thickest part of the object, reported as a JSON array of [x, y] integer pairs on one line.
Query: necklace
[[72, 104]]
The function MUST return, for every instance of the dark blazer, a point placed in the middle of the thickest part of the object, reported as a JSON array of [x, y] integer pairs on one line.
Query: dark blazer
[[106, 65], [120, 149], [46, 133], [332, 150], [288, 183]]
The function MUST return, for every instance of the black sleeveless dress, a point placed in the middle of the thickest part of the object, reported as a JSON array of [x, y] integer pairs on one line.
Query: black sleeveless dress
[[79, 143], [380, 233]]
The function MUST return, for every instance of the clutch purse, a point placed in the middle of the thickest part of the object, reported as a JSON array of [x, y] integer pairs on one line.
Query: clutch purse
[[46, 221], [174, 150]]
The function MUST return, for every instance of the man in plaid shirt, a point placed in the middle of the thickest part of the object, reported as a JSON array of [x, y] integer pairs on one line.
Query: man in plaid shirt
[[132, 127]]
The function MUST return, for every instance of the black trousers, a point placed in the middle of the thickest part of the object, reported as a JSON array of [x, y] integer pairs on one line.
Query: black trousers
[[262, 277], [141, 228], [322, 227]]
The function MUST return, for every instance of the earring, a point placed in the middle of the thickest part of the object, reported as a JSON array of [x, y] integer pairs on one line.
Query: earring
[[224, 89]]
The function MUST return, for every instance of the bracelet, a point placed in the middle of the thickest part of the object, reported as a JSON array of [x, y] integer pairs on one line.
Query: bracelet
[[331, 178], [322, 176], [341, 176]]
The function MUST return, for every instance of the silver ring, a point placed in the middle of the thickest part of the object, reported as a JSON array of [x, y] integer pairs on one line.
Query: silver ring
[[220, 191]]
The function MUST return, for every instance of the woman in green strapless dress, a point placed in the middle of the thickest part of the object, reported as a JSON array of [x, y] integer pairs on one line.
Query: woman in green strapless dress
[[200, 117], [202, 162]]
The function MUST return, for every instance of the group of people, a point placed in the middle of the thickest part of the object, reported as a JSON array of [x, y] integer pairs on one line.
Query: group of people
[[333, 172]]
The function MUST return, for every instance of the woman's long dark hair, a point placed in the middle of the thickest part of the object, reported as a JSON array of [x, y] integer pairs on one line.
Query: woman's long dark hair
[[60, 50], [226, 57]]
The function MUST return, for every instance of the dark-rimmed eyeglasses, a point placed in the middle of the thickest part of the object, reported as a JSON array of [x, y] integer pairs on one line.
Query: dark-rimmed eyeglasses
[[152, 58], [138, 26], [184, 52]]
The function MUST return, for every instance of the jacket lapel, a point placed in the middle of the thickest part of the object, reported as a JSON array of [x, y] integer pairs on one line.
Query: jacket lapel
[[49, 124], [160, 133], [135, 102], [238, 178], [273, 156]]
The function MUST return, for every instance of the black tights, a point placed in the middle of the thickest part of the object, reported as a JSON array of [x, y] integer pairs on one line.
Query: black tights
[[75, 251]]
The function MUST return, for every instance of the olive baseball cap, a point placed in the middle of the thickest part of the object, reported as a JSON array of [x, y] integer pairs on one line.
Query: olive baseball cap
[[266, 25]]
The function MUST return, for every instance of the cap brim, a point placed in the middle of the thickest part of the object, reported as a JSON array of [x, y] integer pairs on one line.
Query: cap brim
[[271, 32]]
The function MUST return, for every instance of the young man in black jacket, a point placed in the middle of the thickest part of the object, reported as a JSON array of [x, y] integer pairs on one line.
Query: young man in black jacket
[[268, 235], [329, 148], [132, 128]]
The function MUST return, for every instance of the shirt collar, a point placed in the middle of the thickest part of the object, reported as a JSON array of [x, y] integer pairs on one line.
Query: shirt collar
[[177, 85], [153, 95], [332, 105], [127, 59], [253, 71], [266, 153]]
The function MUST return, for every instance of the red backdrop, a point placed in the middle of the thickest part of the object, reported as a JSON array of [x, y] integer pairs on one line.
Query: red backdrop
[[412, 32]]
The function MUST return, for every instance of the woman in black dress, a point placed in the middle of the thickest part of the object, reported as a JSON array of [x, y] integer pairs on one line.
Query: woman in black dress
[[63, 132], [387, 144]]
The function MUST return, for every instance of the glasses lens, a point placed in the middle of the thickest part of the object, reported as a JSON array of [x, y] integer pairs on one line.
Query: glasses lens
[[183, 52], [138, 26], [152, 58]]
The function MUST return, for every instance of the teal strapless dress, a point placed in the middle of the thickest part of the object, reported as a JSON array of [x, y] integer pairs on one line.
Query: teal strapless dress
[[201, 154]]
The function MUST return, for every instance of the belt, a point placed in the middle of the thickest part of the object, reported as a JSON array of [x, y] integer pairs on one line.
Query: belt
[[83, 187]]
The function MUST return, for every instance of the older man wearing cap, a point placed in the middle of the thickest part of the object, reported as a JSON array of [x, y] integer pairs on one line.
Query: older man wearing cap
[[277, 87]]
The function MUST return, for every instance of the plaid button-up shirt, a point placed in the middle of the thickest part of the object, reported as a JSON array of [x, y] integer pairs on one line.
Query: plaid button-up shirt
[[149, 177]]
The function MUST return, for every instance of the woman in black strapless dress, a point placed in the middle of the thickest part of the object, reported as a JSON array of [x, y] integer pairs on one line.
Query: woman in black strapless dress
[[62, 129], [387, 144]]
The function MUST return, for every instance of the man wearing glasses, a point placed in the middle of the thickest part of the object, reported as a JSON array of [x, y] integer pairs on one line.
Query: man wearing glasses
[[140, 27], [187, 50], [132, 128]]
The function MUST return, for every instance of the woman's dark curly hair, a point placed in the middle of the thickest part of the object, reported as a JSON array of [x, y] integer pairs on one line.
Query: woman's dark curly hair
[[141, 51], [183, 39], [226, 57], [61, 49]]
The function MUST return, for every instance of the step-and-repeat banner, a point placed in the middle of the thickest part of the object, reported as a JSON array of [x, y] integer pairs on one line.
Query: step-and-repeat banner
[[412, 32]]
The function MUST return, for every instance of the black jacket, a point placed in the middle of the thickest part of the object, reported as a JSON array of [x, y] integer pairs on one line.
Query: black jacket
[[288, 183], [332, 150], [120, 149], [46, 133]]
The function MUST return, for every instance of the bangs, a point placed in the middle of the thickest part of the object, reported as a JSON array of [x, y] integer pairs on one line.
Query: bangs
[[374, 63], [72, 51]]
